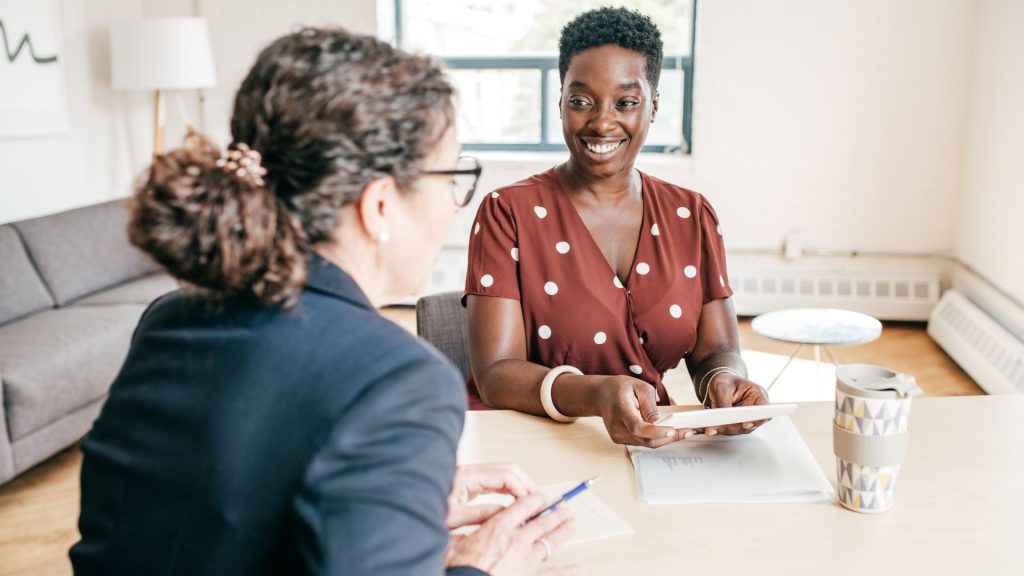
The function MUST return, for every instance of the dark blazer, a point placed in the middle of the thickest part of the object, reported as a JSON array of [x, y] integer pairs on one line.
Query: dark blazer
[[240, 439]]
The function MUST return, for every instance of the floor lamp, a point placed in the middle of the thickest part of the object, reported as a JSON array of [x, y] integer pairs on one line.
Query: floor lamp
[[161, 54]]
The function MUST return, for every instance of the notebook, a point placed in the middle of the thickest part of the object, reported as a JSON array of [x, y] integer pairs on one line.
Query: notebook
[[771, 464], [594, 519]]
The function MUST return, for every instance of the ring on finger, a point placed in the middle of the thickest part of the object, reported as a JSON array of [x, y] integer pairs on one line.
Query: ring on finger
[[547, 549]]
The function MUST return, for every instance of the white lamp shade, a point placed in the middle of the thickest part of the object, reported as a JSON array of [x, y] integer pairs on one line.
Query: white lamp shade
[[161, 54]]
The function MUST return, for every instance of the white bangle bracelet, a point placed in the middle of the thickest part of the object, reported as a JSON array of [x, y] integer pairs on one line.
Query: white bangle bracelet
[[545, 392]]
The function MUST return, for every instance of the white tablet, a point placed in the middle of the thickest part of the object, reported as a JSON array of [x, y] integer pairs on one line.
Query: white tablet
[[723, 416]]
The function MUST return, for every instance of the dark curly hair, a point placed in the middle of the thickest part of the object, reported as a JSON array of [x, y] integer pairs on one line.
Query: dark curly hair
[[620, 26], [329, 112]]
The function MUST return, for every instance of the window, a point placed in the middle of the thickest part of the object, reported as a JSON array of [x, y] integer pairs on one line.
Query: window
[[503, 56]]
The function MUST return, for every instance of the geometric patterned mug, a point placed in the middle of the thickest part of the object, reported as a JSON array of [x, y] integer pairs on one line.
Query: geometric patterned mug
[[870, 434]]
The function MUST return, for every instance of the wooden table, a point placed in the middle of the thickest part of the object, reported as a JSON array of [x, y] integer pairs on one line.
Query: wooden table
[[959, 501]]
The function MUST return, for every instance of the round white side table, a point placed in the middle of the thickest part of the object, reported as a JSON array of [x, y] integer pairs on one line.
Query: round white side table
[[818, 327]]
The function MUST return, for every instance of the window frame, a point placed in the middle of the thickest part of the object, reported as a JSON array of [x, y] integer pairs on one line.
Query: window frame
[[544, 64]]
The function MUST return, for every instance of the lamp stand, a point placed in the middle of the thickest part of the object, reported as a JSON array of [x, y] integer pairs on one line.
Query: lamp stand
[[158, 125]]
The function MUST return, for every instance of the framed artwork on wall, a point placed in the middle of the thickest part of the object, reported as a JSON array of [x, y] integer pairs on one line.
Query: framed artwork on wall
[[33, 84]]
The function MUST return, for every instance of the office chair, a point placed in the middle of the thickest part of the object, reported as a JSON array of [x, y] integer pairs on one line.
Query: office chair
[[441, 320]]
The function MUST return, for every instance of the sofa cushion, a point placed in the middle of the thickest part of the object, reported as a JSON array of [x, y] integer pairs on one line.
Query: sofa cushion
[[54, 437], [21, 290], [141, 291], [57, 361], [83, 251]]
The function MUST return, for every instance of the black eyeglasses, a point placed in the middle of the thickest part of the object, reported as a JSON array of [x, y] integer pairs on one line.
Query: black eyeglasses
[[464, 179]]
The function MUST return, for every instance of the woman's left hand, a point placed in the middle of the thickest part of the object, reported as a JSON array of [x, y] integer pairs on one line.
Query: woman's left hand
[[728, 390]]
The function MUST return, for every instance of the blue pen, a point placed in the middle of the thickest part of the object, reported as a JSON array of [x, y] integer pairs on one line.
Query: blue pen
[[566, 497]]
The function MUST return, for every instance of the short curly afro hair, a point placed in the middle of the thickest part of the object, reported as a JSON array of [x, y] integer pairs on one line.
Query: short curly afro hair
[[620, 26]]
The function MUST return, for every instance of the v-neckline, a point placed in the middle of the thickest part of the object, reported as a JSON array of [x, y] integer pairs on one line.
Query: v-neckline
[[564, 197]]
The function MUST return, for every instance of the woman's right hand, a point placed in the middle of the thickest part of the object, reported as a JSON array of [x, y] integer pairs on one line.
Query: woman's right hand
[[507, 545], [629, 408]]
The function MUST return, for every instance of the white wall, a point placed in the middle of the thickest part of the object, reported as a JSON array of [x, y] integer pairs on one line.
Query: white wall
[[109, 138], [991, 233], [842, 120], [847, 121], [241, 28]]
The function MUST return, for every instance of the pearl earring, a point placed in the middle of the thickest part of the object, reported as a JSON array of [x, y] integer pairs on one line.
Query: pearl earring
[[383, 237]]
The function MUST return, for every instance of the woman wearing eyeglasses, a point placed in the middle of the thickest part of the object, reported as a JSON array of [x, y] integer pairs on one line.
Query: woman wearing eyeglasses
[[267, 419], [587, 282]]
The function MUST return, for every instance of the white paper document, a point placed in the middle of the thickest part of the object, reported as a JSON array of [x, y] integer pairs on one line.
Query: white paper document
[[594, 519], [771, 464]]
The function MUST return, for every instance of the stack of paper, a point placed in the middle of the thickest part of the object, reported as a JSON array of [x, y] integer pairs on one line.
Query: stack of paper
[[771, 464], [594, 519]]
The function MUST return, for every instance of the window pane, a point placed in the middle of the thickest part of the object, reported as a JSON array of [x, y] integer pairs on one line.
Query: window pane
[[554, 127], [502, 27], [667, 129], [498, 106]]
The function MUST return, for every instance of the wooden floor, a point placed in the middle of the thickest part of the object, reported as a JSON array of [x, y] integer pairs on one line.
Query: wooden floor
[[39, 510]]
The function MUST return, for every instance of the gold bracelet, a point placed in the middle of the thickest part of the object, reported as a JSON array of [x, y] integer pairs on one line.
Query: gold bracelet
[[712, 373]]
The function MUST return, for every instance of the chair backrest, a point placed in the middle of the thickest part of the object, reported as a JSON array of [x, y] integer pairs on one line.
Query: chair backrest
[[441, 320]]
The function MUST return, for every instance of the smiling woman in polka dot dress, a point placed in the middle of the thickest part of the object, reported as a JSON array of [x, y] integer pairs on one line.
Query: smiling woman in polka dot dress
[[588, 281]]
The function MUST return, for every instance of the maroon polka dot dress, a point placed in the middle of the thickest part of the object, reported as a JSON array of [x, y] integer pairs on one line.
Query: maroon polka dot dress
[[529, 244]]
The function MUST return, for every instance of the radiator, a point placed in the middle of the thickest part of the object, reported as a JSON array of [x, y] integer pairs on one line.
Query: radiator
[[884, 296], [989, 353]]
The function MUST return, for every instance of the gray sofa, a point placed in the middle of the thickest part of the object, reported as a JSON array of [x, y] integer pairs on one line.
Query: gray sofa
[[71, 292]]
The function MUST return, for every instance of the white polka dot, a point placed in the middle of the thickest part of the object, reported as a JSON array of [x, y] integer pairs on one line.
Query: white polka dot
[[562, 247], [544, 332], [551, 288], [643, 268], [683, 212], [675, 311], [636, 369], [690, 271], [721, 281], [486, 280], [495, 195], [654, 230], [617, 282], [540, 212], [600, 338], [515, 254], [476, 229], [719, 229]]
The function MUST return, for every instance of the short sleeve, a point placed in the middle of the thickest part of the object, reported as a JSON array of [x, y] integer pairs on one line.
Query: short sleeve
[[493, 268], [714, 276]]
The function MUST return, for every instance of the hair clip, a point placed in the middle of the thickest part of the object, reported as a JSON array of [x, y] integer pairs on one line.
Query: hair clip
[[243, 163]]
